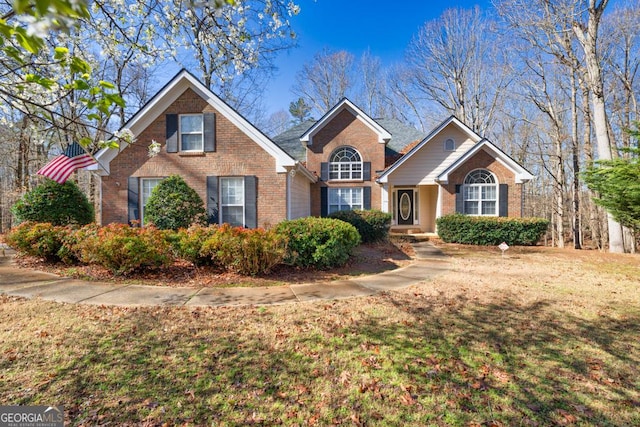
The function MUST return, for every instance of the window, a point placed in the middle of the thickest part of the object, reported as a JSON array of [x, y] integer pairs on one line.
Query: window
[[232, 201], [345, 199], [191, 132], [147, 184], [449, 145], [480, 193], [345, 164]]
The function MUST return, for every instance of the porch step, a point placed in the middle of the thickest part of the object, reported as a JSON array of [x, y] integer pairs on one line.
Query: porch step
[[405, 231]]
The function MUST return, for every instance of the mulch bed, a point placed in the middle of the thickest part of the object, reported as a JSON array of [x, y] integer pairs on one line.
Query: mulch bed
[[367, 259]]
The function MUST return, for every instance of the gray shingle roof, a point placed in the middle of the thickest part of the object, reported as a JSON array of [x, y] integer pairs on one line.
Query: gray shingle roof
[[289, 140], [401, 136]]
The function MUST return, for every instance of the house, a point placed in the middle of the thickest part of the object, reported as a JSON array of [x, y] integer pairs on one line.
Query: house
[[244, 178], [344, 160], [364, 163]]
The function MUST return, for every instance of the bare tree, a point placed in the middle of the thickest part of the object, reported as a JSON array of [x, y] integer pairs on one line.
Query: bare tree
[[325, 80], [457, 63]]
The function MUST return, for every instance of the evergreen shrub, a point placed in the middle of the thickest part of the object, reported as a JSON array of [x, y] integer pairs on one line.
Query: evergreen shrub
[[173, 205], [318, 242], [373, 225], [58, 204], [479, 230]]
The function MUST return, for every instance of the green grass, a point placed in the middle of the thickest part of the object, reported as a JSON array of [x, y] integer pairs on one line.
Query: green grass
[[461, 350]]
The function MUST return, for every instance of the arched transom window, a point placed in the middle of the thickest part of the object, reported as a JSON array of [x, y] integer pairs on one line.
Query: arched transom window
[[345, 164], [480, 193]]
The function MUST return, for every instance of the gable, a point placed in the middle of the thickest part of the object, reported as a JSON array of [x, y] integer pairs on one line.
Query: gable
[[485, 149], [426, 160], [382, 134], [167, 96]]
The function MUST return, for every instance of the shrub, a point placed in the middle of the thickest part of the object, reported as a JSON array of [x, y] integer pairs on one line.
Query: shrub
[[58, 204], [477, 230], [76, 243], [373, 225], [245, 251], [173, 205], [318, 242], [187, 244], [122, 249], [39, 239]]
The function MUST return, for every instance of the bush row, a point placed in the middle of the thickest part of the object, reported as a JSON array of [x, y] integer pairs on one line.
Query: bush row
[[308, 242], [373, 225], [477, 230]]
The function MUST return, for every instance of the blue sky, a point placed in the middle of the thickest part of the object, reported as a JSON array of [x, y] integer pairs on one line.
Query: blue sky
[[382, 26]]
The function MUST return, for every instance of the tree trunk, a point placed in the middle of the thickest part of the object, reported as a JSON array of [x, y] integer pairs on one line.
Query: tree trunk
[[588, 40]]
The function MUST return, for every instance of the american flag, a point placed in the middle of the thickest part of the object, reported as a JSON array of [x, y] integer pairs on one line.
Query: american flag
[[61, 167]]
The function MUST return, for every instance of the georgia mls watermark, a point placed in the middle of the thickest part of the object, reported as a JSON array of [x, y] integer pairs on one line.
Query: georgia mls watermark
[[31, 416]]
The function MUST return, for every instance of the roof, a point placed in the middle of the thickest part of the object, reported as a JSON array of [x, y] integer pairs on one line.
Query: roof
[[452, 119], [401, 135], [344, 104], [289, 140], [172, 91], [522, 175]]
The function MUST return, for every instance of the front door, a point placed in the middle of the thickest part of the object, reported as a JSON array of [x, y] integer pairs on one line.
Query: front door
[[405, 207]]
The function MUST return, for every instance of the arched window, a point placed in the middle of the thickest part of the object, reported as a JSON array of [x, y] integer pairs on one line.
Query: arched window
[[480, 193], [345, 164]]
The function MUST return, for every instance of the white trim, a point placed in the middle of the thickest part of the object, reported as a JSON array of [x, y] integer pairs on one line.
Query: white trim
[[165, 97], [466, 129], [521, 174], [345, 104]]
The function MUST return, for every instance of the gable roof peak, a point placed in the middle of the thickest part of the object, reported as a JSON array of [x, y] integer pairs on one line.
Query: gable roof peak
[[345, 104]]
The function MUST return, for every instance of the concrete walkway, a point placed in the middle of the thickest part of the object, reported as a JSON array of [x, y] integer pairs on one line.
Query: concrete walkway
[[22, 282]]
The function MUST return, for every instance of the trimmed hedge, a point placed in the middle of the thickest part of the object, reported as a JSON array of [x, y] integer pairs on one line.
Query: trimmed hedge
[[373, 225], [318, 242], [478, 230], [244, 251], [308, 242], [187, 244], [121, 248]]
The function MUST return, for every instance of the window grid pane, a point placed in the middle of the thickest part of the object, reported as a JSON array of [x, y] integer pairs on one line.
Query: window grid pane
[[480, 193], [232, 201], [191, 132], [341, 199], [345, 164]]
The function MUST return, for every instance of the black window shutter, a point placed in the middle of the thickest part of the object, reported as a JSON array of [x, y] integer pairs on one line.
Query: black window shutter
[[366, 171], [459, 199], [212, 200], [209, 120], [366, 198], [503, 209], [172, 133], [324, 171], [133, 198], [324, 201], [251, 201]]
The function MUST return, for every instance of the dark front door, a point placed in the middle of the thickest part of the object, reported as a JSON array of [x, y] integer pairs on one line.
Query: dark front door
[[405, 207]]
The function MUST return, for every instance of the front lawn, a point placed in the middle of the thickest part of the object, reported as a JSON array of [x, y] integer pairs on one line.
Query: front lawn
[[540, 337]]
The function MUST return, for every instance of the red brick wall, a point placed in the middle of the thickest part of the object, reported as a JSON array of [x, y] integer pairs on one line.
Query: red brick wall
[[345, 130], [482, 160], [236, 155]]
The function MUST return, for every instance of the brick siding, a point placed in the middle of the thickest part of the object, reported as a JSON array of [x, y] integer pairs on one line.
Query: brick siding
[[482, 160], [236, 155], [345, 130]]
